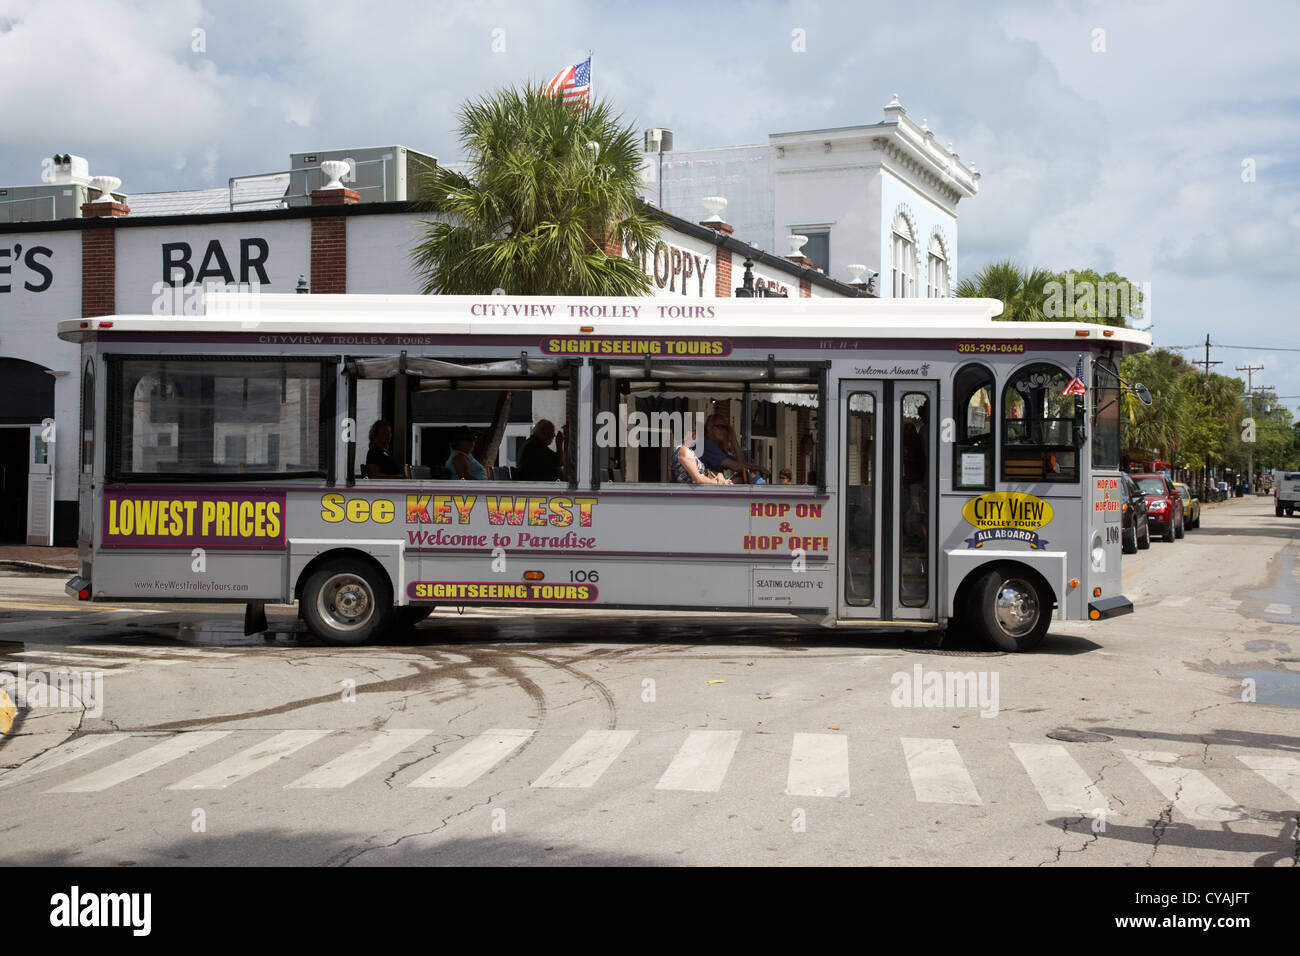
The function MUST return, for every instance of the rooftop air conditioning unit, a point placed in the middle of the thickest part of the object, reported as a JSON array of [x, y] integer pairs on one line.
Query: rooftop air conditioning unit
[[658, 141]]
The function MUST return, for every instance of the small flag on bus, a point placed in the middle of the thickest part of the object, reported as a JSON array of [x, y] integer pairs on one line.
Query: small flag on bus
[[1076, 386]]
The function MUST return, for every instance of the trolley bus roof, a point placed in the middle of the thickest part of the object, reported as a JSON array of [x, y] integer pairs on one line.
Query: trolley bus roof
[[811, 318]]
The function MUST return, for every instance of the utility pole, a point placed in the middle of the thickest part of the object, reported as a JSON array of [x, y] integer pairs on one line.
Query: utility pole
[[1207, 363], [1206, 471], [1250, 370]]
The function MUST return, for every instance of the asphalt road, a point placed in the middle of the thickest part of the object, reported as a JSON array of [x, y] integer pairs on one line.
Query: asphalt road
[[1164, 737]]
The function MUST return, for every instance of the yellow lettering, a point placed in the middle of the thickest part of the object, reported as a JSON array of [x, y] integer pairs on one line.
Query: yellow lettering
[[331, 508]]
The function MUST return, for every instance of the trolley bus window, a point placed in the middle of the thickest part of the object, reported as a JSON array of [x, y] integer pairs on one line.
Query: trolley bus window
[[88, 419], [751, 420], [430, 400], [914, 507], [1105, 421], [193, 419], [972, 452], [860, 501], [1042, 428]]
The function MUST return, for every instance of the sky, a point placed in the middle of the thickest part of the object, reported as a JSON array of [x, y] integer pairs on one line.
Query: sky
[[1156, 139]]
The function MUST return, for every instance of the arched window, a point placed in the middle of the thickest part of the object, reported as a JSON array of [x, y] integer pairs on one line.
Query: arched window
[[972, 407], [1042, 426], [904, 260], [937, 272]]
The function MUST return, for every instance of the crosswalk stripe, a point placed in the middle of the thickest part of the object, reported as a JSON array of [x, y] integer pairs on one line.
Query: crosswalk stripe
[[243, 764], [702, 761], [1179, 600], [583, 763], [474, 759], [937, 771], [1281, 772], [1191, 792], [359, 761], [819, 766], [1062, 783], [64, 753], [151, 759]]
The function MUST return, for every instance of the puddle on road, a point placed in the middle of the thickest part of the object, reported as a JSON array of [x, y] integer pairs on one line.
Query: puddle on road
[[1275, 687]]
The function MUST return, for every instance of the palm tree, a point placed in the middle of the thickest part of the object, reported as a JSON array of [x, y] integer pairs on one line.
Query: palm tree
[[549, 188], [1023, 294]]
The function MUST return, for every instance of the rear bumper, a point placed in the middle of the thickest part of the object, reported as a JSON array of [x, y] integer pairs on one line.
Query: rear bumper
[[1104, 608]]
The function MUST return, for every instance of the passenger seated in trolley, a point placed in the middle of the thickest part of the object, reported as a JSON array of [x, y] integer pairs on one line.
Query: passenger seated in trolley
[[722, 451], [461, 464], [536, 460], [379, 463], [686, 466]]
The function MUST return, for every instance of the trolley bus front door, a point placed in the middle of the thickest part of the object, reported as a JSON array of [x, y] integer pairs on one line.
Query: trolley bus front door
[[888, 479]]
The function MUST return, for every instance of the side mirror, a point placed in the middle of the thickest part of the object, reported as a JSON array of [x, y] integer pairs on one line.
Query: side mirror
[[1141, 392]]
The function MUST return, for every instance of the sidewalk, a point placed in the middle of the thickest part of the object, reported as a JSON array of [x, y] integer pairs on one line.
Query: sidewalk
[[22, 557]]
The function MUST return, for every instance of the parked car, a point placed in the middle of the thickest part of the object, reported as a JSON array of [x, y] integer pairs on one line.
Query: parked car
[[1136, 529], [1191, 505], [1164, 505]]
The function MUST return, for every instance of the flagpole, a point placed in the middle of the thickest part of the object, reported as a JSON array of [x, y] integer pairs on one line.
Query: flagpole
[[591, 77]]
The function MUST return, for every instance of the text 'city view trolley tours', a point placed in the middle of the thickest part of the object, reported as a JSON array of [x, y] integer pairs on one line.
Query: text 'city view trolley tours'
[[859, 463]]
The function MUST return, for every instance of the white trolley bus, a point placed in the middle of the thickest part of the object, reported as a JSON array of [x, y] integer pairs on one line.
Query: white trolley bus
[[923, 463]]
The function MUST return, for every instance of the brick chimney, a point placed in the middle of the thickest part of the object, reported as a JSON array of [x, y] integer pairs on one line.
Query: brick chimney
[[329, 234]]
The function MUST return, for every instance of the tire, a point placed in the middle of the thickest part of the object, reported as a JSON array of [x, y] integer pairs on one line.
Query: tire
[[1277, 510], [348, 602], [1197, 522], [1125, 546], [410, 615], [1168, 536], [1145, 543], [1181, 529], [1010, 609]]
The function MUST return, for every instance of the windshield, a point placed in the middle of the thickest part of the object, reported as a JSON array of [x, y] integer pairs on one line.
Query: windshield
[[1152, 486], [1182, 490]]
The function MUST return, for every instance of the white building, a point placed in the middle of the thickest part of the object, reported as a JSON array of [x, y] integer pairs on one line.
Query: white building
[[883, 196]]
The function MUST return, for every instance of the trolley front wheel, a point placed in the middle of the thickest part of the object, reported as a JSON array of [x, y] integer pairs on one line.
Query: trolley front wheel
[[1011, 609]]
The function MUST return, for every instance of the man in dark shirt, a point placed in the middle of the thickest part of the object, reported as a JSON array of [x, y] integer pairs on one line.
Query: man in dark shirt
[[536, 460]]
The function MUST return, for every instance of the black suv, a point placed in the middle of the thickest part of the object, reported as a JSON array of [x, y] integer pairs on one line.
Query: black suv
[[1136, 532]]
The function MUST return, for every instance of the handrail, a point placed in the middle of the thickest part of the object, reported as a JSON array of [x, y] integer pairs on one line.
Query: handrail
[[383, 185]]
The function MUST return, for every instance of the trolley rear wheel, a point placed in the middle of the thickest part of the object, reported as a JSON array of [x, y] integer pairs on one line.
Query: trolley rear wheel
[[347, 602]]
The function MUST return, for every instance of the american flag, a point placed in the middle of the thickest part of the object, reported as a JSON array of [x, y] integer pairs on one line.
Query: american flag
[[574, 82], [1076, 386]]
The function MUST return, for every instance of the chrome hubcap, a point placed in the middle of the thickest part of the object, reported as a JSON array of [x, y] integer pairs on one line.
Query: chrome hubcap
[[1016, 607], [345, 602]]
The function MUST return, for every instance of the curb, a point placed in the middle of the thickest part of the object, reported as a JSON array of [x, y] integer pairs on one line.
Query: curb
[[35, 566], [7, 712]]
